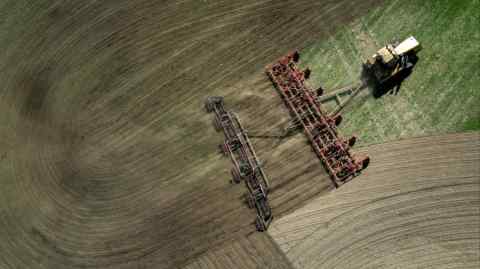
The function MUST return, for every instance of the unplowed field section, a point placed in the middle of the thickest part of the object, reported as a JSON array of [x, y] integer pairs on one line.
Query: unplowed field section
[[107, 159], [416, 206]]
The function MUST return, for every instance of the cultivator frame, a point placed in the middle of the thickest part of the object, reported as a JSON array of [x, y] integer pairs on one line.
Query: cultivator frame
[[246, 165], [319, 127]]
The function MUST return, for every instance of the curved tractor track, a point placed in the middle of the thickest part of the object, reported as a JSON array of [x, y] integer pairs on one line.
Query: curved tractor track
[[106, 158], [416, 206]]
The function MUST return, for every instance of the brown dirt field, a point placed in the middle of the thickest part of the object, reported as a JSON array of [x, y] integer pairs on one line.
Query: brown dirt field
[[106, 156], [254, 251], [416, 206]]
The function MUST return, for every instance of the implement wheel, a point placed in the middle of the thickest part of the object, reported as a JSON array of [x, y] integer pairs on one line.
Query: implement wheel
[[212, 101], [295, 56], [365, 162], [249, 200], [208, 106], [217, 125], [352, 141], [338, 119], [259, 224], [236, 175]]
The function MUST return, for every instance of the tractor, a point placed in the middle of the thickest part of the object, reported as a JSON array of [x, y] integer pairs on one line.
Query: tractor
[[391, 64]]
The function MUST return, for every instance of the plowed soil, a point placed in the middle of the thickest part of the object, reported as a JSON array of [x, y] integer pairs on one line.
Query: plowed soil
[[254, 251], [107, 159], [416, 206]]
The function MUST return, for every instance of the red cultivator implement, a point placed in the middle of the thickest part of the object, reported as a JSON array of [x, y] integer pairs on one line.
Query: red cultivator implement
[[319, 127]]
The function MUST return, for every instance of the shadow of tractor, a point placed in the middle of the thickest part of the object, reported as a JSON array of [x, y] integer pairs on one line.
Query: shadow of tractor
[[393, 84]]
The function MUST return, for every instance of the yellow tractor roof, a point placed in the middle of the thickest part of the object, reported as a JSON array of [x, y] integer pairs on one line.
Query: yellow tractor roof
[[386, 53]]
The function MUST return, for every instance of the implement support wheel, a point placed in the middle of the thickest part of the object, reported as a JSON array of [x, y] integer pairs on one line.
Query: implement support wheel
[[208, 106], [217, 125], [259, 225], [365, 162], [236, 175], [249, 200]]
